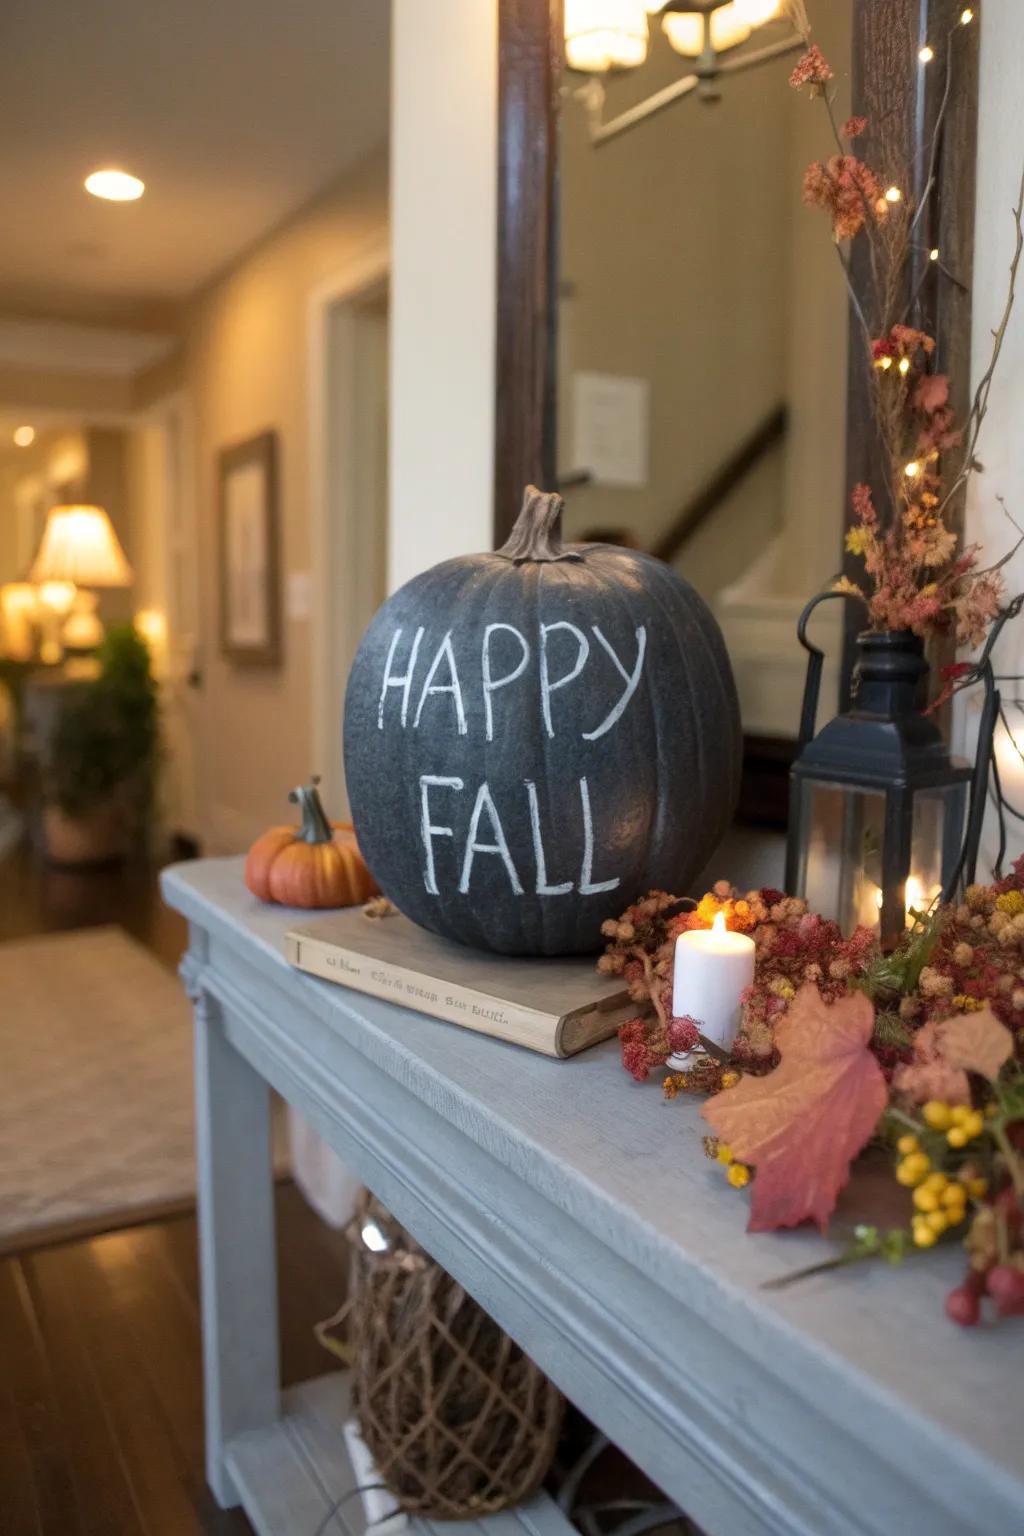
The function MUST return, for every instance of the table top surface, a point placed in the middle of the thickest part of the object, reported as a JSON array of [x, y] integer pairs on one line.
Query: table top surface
[[630, 1166]]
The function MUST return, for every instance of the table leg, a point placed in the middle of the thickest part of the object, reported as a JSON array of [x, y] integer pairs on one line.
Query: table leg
[[238, 1268]]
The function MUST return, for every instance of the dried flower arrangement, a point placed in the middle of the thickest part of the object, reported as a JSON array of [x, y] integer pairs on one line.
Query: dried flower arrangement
[[841, 1046], [915, 575]]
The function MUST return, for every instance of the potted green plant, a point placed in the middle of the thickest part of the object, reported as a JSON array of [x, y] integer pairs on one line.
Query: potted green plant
[[101, 760]]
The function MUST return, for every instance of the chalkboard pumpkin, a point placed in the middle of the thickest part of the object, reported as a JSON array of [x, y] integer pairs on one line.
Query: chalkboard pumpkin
[[535, 737]]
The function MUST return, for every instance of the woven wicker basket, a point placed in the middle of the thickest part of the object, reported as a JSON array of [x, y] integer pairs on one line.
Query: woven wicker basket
[[459, 1422]]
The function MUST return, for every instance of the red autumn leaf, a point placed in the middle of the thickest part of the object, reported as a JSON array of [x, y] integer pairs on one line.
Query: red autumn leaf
[[802, 1125]]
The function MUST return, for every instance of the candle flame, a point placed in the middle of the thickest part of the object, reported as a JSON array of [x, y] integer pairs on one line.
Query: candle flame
[[718, 926]]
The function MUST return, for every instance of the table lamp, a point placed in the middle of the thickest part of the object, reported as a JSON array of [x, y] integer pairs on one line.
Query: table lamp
[[79, 545]]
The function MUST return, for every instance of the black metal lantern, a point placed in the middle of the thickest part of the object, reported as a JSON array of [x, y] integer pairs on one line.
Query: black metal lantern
[[878, 808]]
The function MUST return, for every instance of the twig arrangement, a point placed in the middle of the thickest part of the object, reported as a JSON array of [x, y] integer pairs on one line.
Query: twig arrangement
[[917, 576]]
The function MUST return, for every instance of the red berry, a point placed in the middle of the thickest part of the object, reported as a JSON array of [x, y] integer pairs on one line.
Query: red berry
[[963, 1307], [1006, 1287]]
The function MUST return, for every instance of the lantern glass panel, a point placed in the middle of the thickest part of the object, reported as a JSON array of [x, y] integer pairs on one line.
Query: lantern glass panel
[[843, 839], [936, 831], [844, 832]]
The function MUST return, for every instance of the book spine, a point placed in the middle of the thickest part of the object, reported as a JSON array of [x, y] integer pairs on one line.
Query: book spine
[[449, 1001]]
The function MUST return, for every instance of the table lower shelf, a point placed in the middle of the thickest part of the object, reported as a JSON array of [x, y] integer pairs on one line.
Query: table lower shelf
[[292, 1475]]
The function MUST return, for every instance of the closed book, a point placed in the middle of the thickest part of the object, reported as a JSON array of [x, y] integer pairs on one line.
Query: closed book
[[558, 1007]]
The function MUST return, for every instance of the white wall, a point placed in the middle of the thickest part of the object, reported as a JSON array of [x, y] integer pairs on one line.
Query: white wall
[[1001, 450], [444, 157]]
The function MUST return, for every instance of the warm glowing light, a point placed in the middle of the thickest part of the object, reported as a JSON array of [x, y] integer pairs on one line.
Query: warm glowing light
[[884, 363], [926, 54], [756, 12], [79, 544], [966, 16], [893, 194], [114, 186], [904, 366], [915, 898], [83, 628], [18, 602], [912, 470], [718, 924], [24, 437], [151, 624], [685, 30], [605, 34], [373, 1237], [933, 254], [58, 596]]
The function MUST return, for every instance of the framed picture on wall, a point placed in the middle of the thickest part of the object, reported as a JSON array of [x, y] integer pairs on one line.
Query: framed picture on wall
[[250, 597]]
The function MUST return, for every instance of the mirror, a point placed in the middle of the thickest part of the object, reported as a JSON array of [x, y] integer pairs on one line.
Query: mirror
[[702, 345]]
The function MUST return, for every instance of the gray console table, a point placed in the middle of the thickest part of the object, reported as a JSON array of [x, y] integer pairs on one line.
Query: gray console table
[[578, 1209]]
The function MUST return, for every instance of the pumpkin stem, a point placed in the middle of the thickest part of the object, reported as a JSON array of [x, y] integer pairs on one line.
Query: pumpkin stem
[[315, 826], [537, 534]]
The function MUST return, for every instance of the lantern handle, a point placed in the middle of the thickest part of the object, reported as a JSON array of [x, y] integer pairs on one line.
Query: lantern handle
[[982, 671], [815, 664]]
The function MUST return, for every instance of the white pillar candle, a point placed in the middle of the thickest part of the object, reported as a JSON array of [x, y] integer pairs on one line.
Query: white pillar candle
[[713, 968]]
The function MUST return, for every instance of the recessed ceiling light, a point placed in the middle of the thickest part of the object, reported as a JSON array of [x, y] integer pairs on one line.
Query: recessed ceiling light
[[24, 437], [115, 186]]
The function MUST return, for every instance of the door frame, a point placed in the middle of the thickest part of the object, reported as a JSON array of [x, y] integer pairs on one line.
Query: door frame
[[173, 416], [332, 507]]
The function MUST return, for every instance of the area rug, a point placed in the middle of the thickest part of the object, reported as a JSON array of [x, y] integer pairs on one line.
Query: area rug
[[95, 1087]]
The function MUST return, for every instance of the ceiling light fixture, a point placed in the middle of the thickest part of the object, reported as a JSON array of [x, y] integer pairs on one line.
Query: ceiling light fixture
[[602, 35], [24, 437], [114, 186], [606, 35]]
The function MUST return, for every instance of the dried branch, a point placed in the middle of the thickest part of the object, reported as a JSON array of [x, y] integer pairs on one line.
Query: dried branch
[[979, 406]]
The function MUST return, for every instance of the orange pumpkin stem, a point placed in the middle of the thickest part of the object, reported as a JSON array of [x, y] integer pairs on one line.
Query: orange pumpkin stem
[[315, 826]]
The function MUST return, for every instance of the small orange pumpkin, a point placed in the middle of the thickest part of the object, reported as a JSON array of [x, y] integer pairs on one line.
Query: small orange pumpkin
[[317, 864]]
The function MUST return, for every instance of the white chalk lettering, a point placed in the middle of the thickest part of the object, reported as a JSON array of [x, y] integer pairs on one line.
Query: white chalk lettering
[[542, 887], [393, 681], [588, 886], [454, 687], [427, 828], [631, 680], [491, 683], [484, 802], [547, 687]]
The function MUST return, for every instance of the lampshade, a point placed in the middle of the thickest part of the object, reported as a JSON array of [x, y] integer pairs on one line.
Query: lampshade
[[685, 29], [79, 544], [605, 34]]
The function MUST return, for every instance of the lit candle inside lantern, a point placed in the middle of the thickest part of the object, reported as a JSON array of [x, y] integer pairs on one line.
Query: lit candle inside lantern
[[713, 968]]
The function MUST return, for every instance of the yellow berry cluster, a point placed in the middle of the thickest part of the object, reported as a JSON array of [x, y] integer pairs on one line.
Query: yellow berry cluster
[[960, 1123], [738, 1174], [940, 1201]]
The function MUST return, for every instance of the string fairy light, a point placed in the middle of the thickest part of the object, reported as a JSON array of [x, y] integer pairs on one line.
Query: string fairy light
[[926, 54], [904, 366], [912, 469], [966, 16], [933, 254], [893, 195]]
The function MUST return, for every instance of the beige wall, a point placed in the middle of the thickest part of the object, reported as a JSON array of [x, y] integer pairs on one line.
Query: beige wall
[[689, 260], [29, 482], [244, 368], [444, 166], [675, 249], [1001, 448]]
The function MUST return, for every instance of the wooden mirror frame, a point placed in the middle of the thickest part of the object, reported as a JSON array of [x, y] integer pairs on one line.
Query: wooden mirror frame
[[900, 99]]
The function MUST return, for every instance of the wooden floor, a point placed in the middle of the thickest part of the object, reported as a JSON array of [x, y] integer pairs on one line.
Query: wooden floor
[[101, 1428]]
